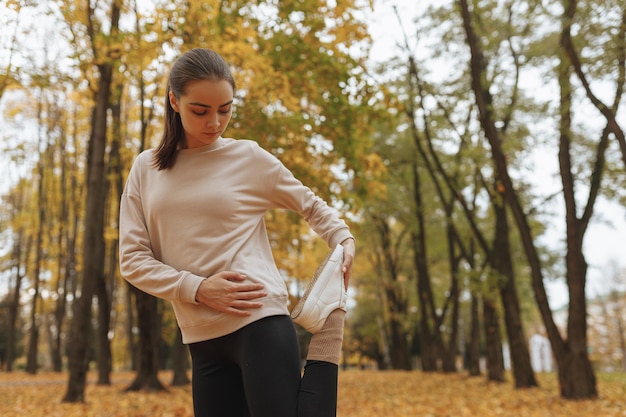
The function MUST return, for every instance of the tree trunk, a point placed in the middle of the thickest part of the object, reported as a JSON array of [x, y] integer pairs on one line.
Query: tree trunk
[[104, 358], [400, 357], [93, 246], [473, 354], [448, 363], [622, 336], [147, 378], [427, 347], [14, 305], [131, 325], [33, 332], [384, 358], [395, 299], [55, 319], [617, 314], [58, 316], [432, 345], [493, 341], [106, 288], [576, 374], [33, 342], [520, 357], [70, 279], [59, 313], [180, 361], [93, 253], [398, 347]]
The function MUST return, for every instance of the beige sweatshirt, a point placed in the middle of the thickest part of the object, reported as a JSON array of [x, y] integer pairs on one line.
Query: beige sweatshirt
[[205, 215]]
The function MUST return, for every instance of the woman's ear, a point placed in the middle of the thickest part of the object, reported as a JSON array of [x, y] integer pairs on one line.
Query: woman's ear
[[173, 101]]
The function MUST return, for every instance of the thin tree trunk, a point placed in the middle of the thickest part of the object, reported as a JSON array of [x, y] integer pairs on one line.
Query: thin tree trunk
[[59, 309], [93, 246], [493, 340], [384, 359], [448, 363], [180, 361], [106, 288], [618, 315], [70, 281], [428, 347], [104, 358], [395, 299], [434, 350], [147, 374], [131, 325], [473, 354], [432, 344], [400, 357], [576, 375], [55, 329], [621, 330], [14, 306], [33, 342], [520, 357], [438, 351]]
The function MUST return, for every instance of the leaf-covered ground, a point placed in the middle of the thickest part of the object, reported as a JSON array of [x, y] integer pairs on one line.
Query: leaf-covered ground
[[361, 394]]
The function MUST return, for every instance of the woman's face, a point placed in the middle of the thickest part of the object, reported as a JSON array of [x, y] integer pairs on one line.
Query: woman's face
[[205, 109]]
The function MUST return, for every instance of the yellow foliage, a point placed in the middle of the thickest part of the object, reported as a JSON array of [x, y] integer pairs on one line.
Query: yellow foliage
[[361, 394]]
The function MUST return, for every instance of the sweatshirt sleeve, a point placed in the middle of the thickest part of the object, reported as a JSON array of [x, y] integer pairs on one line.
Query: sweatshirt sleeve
[[289, 193], [138, 264]]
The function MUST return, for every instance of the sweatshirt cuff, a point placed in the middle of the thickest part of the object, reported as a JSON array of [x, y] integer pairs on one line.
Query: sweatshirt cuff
[[189, 288], [339, 237]]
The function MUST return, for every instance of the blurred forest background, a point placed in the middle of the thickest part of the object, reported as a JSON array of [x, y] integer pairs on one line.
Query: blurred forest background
[[471, 163]]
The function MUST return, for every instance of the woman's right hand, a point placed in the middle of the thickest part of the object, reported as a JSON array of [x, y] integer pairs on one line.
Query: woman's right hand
[[227, 292]]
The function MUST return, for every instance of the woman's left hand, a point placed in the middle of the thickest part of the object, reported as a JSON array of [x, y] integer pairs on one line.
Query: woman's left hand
[[348, 258]]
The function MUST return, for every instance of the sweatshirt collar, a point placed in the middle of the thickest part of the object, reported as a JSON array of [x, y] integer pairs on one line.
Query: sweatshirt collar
[[211, 146]]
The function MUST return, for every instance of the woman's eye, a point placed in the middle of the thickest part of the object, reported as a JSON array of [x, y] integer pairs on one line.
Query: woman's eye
[[225, 111], [199, 113]]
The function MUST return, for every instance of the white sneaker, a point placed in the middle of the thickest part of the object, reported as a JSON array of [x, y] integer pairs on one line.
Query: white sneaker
[[325, 293]]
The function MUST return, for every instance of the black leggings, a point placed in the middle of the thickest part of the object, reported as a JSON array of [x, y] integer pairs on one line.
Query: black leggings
[[255, 372]]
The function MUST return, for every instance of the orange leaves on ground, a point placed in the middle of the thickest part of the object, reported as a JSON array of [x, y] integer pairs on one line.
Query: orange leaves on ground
[[395, 394], [40, 395], [361, 394]]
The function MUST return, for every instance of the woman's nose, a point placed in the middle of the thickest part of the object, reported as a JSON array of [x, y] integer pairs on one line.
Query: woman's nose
[[213, 120]]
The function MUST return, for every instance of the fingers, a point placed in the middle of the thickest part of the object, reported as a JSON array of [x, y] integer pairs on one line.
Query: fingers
[[229, 292], [241, 308], [247, 290], [346, 268], [348, 259]]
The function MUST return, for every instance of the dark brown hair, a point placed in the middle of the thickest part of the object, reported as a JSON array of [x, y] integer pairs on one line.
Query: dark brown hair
[[194, 65]]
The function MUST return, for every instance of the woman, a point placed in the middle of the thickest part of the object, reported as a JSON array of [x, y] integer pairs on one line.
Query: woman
[[192, 232]]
